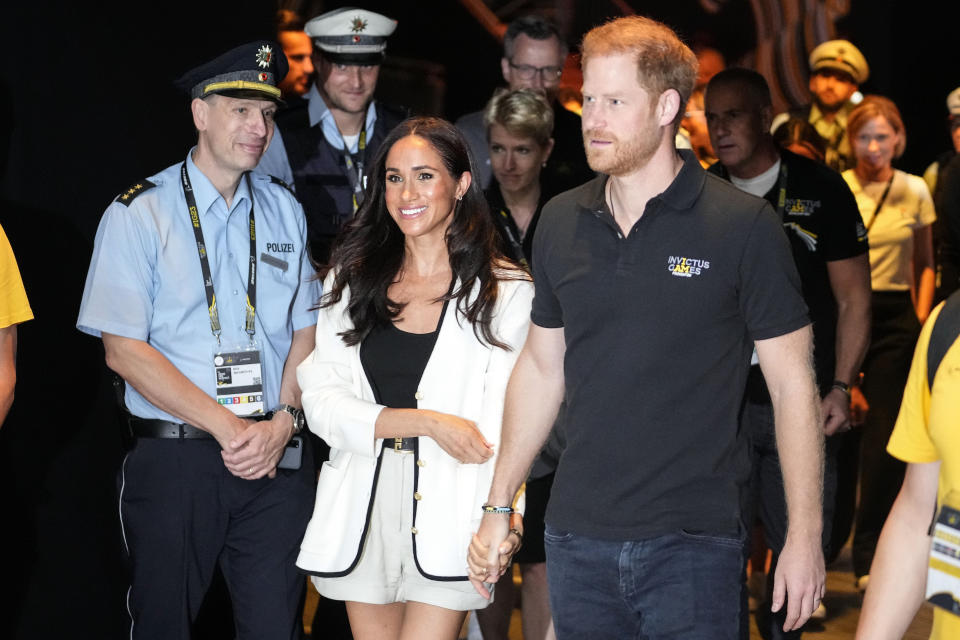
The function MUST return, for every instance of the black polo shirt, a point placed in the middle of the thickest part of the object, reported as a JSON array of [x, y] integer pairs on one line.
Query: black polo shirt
[[823, 224], [659, 328]]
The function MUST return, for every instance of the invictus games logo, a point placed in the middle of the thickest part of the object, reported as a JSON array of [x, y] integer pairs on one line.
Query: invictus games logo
[[800, 207], [686, 267]]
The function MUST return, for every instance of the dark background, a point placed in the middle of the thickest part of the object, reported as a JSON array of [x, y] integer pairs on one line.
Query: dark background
[[88, 108], [94, 109]]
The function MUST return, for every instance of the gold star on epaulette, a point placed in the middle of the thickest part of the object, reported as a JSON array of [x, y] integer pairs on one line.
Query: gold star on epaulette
[[127, 196]]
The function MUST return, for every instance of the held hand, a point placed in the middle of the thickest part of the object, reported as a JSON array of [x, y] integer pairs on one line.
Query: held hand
[[230, 430], [858, 407], [835, 408], [459, 437], [800, 579], [485, 555], [256, 452]]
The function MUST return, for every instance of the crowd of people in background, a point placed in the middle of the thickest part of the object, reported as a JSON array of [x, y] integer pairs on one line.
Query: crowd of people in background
[[398, 354]]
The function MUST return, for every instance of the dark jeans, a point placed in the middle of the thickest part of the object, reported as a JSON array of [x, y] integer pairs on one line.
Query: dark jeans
[[766, 499], [678, 585], [895, 330], [182, 513]]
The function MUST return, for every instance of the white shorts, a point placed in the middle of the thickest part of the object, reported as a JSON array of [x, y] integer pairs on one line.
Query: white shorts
[[386, 572]]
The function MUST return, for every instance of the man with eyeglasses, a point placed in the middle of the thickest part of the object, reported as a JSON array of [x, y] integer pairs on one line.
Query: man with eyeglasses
[[323, 147], [533, 58]]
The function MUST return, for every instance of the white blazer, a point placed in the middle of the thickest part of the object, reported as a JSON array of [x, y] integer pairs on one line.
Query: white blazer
[[463, 377]]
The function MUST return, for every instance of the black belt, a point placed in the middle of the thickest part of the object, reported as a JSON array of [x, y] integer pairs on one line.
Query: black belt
[[144, 428], [400, 444]]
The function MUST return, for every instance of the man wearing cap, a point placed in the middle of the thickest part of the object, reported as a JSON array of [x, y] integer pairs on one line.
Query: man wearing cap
[[933, 172], [533, 58], [200, 287], [837, 69], [328, 143]]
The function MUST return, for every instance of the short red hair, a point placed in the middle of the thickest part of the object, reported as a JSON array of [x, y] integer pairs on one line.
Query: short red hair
[[663, 60]]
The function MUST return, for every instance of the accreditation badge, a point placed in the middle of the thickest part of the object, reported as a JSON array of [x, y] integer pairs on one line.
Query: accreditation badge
[[239, 378], [943, 575]]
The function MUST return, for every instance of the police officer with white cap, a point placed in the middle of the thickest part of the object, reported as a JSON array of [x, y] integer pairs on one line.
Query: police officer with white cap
[[837, 69], [933, 172], [327, 143], [201, 288]]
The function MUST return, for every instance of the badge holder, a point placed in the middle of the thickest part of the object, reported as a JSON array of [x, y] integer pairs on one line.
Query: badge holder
[[943, 574], [240, 379]]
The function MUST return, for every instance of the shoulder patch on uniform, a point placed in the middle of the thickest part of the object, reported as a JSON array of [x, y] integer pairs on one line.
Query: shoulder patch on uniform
[[276, 180], [128, 196]]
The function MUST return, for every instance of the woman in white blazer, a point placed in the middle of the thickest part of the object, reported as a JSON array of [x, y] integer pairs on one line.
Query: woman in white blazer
[[419, 328]]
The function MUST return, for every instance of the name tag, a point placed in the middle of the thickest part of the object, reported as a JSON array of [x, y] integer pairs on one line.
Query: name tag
[[943, 574], [239, 378]]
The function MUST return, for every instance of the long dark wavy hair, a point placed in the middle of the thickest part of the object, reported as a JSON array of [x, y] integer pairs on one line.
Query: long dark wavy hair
[[369, 253]]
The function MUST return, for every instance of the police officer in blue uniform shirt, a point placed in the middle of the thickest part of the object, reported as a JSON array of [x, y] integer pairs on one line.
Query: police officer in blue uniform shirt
[[200, 287], [328, 141]]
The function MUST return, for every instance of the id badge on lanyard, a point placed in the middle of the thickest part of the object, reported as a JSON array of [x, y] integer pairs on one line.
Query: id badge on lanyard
[[943, 573], [237, 369], [240, 379]]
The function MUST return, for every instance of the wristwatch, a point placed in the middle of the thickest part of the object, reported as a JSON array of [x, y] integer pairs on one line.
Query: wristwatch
[[298, 419]]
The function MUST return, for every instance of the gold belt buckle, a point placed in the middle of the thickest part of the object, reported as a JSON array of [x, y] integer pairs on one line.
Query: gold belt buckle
[[398, 444]]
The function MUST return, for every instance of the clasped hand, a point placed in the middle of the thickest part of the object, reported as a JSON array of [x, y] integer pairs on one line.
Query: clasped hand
[[491, 550], [255, 447]]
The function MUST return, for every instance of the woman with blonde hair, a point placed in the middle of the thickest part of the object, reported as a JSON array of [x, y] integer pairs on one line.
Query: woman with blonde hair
[[897, 211]]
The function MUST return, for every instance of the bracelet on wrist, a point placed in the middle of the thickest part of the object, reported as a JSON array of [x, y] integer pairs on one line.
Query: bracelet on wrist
[[842, 386], [489, 508], [519, 535]]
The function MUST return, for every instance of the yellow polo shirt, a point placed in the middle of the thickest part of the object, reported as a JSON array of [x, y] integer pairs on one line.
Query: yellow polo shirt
[[14, 307], [927, 431]]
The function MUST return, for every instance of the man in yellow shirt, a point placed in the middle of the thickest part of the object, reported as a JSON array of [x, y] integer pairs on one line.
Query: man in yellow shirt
[[926, 437], [14, 309]]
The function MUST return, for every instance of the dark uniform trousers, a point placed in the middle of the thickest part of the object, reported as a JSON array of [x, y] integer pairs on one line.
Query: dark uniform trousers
[[182, 513]]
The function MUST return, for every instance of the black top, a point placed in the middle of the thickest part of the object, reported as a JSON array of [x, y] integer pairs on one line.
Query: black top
[[822, 221], [659, 327], [394, 361], [520, 251]]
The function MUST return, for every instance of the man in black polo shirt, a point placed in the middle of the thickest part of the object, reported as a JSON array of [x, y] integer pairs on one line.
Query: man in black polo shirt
[[653, 283], [829, 243]]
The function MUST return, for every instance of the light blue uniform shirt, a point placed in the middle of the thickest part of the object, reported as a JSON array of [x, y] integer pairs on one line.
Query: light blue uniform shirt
[[145, 280], [275, 162]]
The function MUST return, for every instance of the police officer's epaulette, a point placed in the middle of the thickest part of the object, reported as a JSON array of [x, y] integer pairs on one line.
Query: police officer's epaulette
[[276, 180], [128, 196]]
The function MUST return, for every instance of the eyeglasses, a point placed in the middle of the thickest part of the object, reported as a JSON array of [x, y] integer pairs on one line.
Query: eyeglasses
[[527, 72]]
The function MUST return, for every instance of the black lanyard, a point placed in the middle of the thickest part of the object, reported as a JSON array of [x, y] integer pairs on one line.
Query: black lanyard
[[883, 199], [508, 224], [355, 167], [250, 325]]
